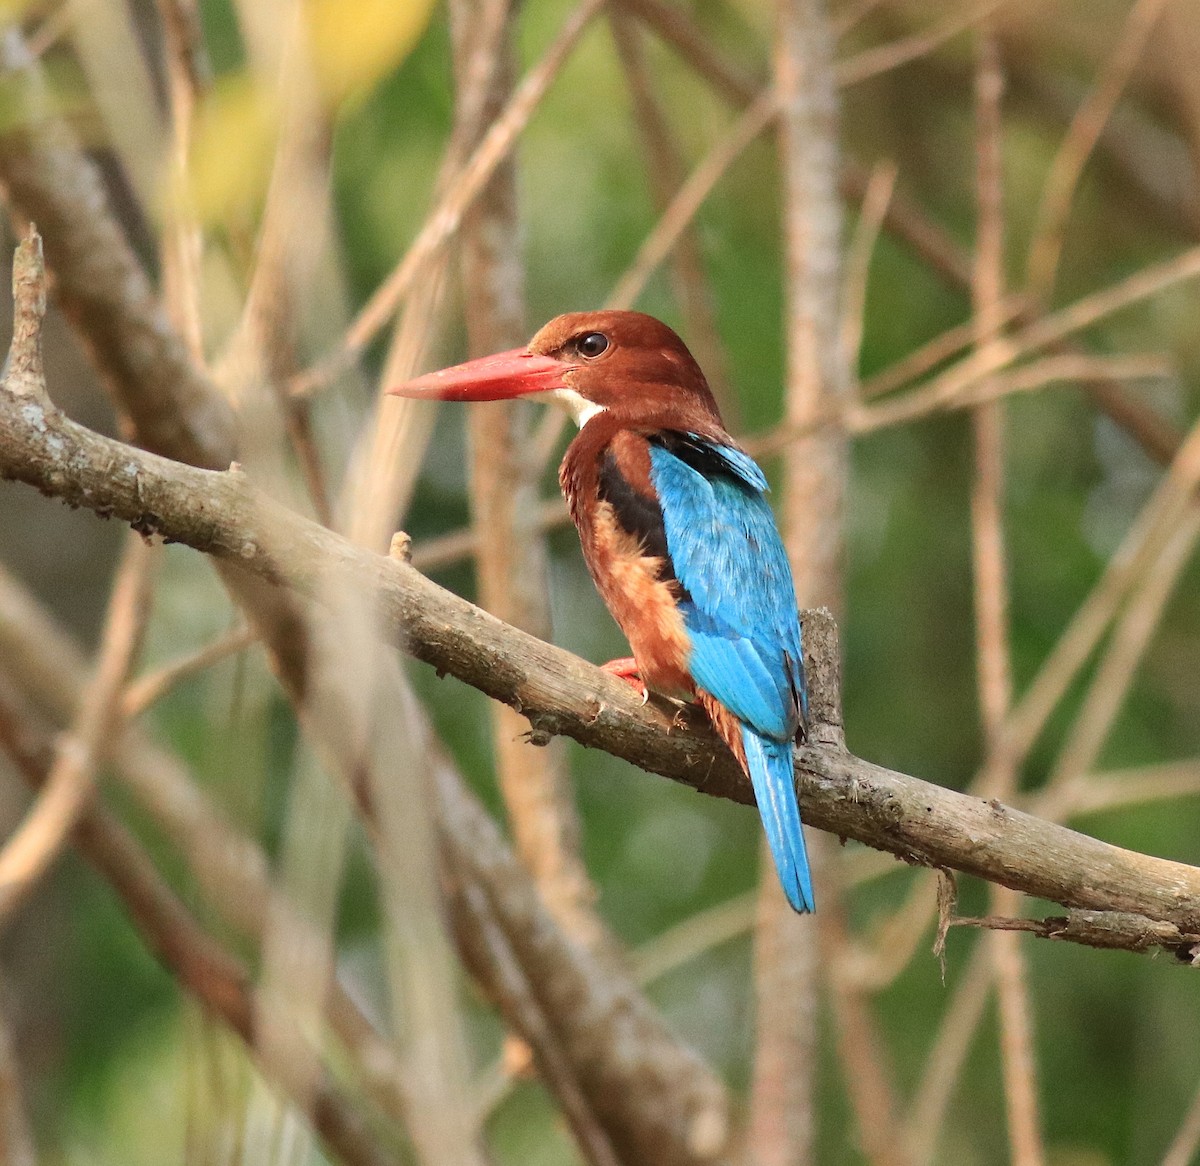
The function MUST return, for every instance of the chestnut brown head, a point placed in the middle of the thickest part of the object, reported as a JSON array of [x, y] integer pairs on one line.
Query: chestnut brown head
[[624, 363]]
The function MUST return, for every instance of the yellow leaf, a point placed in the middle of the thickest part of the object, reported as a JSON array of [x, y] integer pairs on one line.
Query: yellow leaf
[[354, 43], [233, 149]]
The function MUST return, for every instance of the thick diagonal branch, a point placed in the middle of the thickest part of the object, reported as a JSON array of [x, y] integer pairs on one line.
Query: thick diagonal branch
[[221, 514]]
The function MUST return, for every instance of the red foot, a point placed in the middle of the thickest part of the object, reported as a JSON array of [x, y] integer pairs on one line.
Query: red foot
[[626, 669]]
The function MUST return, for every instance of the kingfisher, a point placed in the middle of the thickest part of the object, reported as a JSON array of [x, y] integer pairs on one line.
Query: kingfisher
[[678, 536]]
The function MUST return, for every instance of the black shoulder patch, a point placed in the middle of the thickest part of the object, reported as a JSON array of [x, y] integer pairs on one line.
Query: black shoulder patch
[[693, 451], [638, 515]]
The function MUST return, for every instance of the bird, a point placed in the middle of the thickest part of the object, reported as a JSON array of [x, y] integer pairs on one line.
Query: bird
[[678, 536]]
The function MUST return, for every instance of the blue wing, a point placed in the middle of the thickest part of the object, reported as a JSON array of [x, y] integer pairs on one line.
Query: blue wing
[[740, 608], [740, 613]]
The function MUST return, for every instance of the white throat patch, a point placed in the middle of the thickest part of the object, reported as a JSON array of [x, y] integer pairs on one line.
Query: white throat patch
[[581, 409]]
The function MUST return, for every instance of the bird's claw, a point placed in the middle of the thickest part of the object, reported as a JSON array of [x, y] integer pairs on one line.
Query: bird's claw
[[626, 669]]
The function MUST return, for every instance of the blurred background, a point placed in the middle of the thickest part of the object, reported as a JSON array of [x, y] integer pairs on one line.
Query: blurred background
[[1099, 141]]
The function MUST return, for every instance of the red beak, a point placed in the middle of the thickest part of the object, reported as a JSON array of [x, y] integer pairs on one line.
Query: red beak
[[490, 378]]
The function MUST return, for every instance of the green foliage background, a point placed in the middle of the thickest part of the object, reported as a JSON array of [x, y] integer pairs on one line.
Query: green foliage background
[[121, 1070]]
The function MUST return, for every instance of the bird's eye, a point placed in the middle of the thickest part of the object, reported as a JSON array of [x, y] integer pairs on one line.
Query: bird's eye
[[592, 344]]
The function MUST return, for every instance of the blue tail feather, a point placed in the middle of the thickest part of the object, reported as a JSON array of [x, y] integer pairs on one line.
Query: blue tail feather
[[771, 771]]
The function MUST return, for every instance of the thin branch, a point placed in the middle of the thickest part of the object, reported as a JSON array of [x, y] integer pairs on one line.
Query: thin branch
[[895, 942], [448, 549], [511, 557], [1105, 929], [230, 871], [905, 220], [1130, 640], [987, 493], [690, 197], [202, 967], [960, 1021], [693, 936], [664, 168], [872, 62], [1116, 789], [182, 243], [1042, 333], [937, 351], [675, 26], [858, 262], [994, 665], [1080, 140], [1133, 560], [851, 15], [148, 689], [446, 219], [70, 785], [782, 1128]]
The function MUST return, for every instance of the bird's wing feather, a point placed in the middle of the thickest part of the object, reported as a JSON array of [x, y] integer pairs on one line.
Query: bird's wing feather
[[740, 605]]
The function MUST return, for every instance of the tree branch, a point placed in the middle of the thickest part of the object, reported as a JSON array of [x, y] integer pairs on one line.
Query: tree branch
[[222, 514]]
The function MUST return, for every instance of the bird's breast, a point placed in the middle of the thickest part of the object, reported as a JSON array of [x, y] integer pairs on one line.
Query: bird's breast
[[639, 592], [614, 506]]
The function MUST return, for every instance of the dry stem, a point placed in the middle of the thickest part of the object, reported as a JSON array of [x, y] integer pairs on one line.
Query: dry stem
[[70, 784]]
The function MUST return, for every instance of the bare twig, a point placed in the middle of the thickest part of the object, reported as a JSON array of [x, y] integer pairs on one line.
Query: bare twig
[[783, 1118], [70, 786], [1106, 929], [1115, 789], [851, 15], [1079, 142], [858, 262], [202, 967], [446, 219], [665, 169], [182, 243], [511, 558], [865, 1071], [1129, 642], [457, 545], [693, 936], [688, 199], [1041, 333], [673, 23], [873, 62], [150, 688], [905, 220], [994, 666], [1133, 559], [940, 349]]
